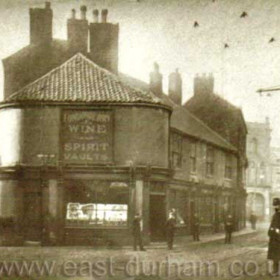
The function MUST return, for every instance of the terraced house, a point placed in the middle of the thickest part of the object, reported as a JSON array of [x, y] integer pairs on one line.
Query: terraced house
[[84, 147]]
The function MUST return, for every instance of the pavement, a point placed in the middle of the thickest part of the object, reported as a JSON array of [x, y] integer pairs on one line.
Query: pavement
[[181, 241]]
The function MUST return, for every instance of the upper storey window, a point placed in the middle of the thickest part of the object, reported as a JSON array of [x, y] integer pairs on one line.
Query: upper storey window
[[228, 167], [210, 161], [193, 156], [254, 145], [176, 150]]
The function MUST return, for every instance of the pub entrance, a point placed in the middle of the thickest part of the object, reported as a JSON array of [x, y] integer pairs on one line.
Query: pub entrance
[[157, 217], [33, 224]]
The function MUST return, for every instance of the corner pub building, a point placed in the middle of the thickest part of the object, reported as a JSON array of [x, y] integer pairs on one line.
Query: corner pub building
[[84, 148]]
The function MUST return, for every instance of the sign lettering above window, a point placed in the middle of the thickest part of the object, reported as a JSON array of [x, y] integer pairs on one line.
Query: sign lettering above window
[[87, 136]]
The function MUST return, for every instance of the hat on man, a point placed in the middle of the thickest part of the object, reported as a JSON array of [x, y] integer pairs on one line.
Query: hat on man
[[276, 201]]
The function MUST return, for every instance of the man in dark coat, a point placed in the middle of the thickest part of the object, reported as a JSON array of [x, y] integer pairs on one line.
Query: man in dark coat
[[170, 229], [274, 237], [253, 220], [228, 228], [137, 233], [195, 227]]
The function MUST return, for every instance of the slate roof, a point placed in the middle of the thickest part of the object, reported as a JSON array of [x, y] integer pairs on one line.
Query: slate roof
[[183, 120], [81, 80], [226, 119]]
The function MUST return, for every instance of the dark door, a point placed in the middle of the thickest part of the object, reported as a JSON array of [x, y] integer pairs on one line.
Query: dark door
[[157, 217], [33, 216]]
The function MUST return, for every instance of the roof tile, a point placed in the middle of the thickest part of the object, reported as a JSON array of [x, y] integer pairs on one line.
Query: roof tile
[[81, 80]]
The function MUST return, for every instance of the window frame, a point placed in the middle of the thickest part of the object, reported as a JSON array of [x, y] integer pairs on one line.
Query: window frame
[[228, 167], [210, 161], [176, 150], [193, 157]]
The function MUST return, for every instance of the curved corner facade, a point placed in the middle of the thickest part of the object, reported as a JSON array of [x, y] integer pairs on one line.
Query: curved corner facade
[[51, 169]]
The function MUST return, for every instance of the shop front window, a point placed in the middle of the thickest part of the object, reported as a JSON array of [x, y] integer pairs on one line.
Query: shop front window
[[178, 206], [97, 214], [97, 203]]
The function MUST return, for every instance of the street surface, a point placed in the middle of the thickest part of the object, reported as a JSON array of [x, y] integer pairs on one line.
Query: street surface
[[245, 258]]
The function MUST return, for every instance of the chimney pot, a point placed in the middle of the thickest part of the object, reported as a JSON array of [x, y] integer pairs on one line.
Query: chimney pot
[[156, 67], [95, 15], [104, 14], [83, 12], [47, 5], [156, 81], [73, 13], [175, 87]]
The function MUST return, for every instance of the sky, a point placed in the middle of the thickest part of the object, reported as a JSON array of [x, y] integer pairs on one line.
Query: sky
[[162, 31]]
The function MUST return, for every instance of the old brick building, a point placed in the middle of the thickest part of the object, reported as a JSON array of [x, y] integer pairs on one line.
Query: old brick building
[[83, 147]]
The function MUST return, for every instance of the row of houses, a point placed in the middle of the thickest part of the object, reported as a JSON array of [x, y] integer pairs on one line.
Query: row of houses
[[85, 147]]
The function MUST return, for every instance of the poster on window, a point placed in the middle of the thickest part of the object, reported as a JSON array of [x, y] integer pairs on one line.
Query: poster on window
[[96, 214], [87, 136]]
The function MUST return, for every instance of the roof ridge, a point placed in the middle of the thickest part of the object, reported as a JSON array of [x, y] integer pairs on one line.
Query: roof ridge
[[118, 79], [123, 91], [204, 124]]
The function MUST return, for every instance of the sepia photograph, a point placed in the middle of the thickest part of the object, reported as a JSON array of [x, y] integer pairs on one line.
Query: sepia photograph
[[139, 139]]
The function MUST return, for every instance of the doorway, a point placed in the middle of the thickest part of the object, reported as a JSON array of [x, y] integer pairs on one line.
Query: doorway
[[157, 217], [33, 216]]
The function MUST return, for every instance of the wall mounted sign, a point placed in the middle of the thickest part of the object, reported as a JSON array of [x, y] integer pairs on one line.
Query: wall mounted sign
[[87, 136]]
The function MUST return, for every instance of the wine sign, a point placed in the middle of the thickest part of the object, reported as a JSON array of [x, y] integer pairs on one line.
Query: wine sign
[[87, 136]]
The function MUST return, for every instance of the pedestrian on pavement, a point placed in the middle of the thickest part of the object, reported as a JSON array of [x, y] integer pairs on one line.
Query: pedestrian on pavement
[[195, 227], [253, 220], [170, 229], [228, 228], [274, 238], [137, 232]]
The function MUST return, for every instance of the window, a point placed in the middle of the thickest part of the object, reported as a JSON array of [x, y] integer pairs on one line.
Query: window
[[252, 173], [228, 167], [262, 173], [96, 203], [178, 205], [210, 161], [254, 145], [176, 150], [97, 214], [193, 157]]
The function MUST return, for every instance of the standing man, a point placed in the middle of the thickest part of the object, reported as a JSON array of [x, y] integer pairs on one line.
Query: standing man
[[228, 228], [170, 229], [196, 227], [253, 220], [137, 233], [274, 238]]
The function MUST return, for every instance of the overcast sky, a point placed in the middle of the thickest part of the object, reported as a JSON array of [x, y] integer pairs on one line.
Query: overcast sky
[[162, 31]]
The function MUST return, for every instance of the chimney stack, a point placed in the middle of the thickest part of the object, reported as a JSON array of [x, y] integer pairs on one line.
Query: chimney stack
[[41, 24], [104, 42], [77, 32], [83, 12], [204, 85], [95, 15], [73, 13], [104, 14], [175, 87], [156, 81]]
